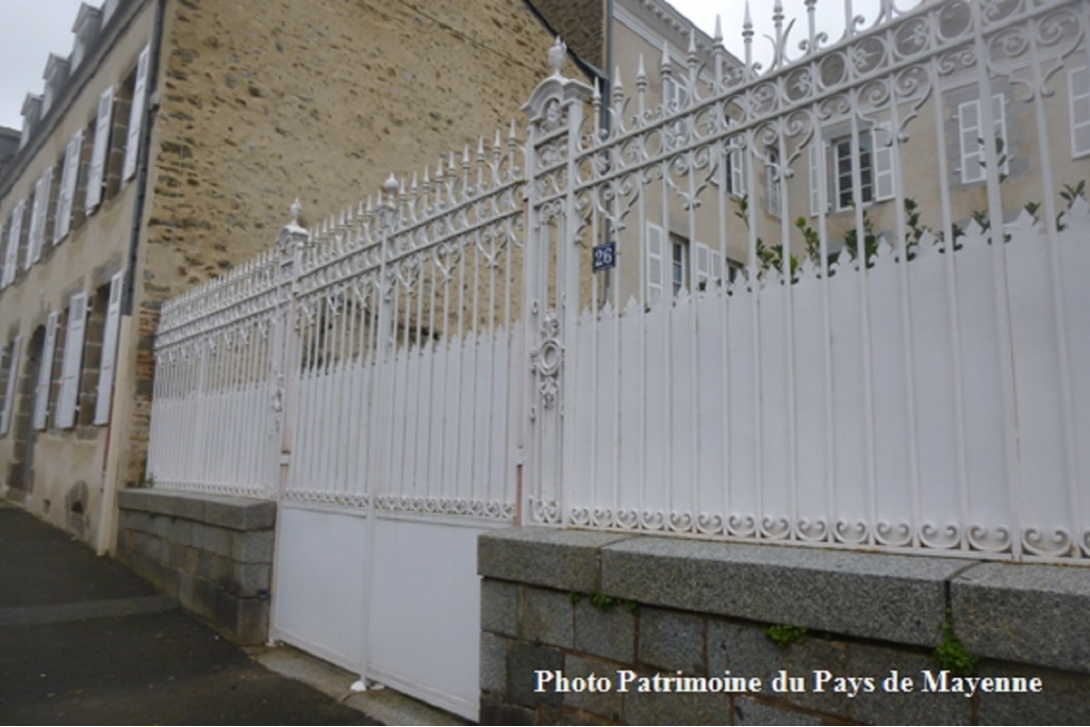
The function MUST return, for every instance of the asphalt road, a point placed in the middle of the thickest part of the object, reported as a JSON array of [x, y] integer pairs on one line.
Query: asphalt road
[[84, 641]]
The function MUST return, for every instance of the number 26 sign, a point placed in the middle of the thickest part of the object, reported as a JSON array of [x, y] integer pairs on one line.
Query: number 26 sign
[[605, 256]]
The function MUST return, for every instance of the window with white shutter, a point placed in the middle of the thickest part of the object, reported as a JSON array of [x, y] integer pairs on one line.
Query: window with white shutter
[[773, 194], [73, 360], [38, 214], [883, 163], [1078, 81], [136, 115], [656, 272], [109, 352], [45, 371], [12, 372], [706, 267], [11, 254], [735, 180], [96, 175], [816, 154], [679, 264], [973, 137], [69, 176]]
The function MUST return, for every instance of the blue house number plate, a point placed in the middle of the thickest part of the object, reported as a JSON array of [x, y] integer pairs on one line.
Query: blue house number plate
[[605, 256]]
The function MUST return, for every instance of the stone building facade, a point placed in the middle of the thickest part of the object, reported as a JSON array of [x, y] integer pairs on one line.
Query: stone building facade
[[165, 149]]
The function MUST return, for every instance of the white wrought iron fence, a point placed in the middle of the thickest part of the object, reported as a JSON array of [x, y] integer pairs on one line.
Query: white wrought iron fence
[[838, 304]]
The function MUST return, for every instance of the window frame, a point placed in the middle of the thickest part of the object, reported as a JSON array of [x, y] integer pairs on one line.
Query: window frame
[[1076, 95], [975, 159]]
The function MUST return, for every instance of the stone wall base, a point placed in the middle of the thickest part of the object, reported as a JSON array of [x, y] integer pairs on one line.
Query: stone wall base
[[819, 636], [213, 553]]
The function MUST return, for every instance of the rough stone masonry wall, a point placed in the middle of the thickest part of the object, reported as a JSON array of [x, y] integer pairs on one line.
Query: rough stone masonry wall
[[266, 100], [704, 608], [262, 101], [213, 553]]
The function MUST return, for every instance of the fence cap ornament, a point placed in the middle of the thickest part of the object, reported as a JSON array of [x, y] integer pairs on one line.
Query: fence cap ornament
[[557, 53], [293, 233], [557, 86]]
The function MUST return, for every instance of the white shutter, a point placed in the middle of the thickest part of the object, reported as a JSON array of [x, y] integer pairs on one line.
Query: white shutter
[[1078, 81], [73, 359], [973, 137], [816, 153], [45, 371], [999, 118], [37, 219], [69, 175], [9, 389], [883, 163], [98, 153], [735, 180], [703, 267], [11, 255], [772, 184], [136, 115], [109, 353], [972, 159], [655, 263]]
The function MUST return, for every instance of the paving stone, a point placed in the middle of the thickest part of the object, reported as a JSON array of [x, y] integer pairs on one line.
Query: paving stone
[[547, 617], [212, 539], [610, 633], [880, 596], [159, 526], [749, 711], [566, 560], [181, 531], [499, 712], [814, 654], [135, 520], [499, 607], [239, 513], [606, 704], [742, 649], [888, 707], [1062, 700], [253, 546], [493, 663], [1024, 613], [685, 709], [250, 580], [672, 640], [523, 662]]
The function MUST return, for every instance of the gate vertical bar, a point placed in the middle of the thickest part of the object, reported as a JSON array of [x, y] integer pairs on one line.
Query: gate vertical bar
[[284, 372], [555, 110]]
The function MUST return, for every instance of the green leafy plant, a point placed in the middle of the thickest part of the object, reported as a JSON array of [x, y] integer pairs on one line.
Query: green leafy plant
[[783, 635], [603, 602], [870, 240], [951, 654]]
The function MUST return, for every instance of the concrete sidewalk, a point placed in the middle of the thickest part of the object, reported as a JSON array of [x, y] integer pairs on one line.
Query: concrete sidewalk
[[84, 641]]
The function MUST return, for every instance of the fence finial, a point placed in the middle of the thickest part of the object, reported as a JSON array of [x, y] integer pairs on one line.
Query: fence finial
[[390, 187], [294, 210], [556, 55]]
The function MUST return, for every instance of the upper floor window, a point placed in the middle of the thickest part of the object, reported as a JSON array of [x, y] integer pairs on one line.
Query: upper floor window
[[735, 160], [675, 93], [773, 194], [836, 160], [1078, 81], [973, 137]]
